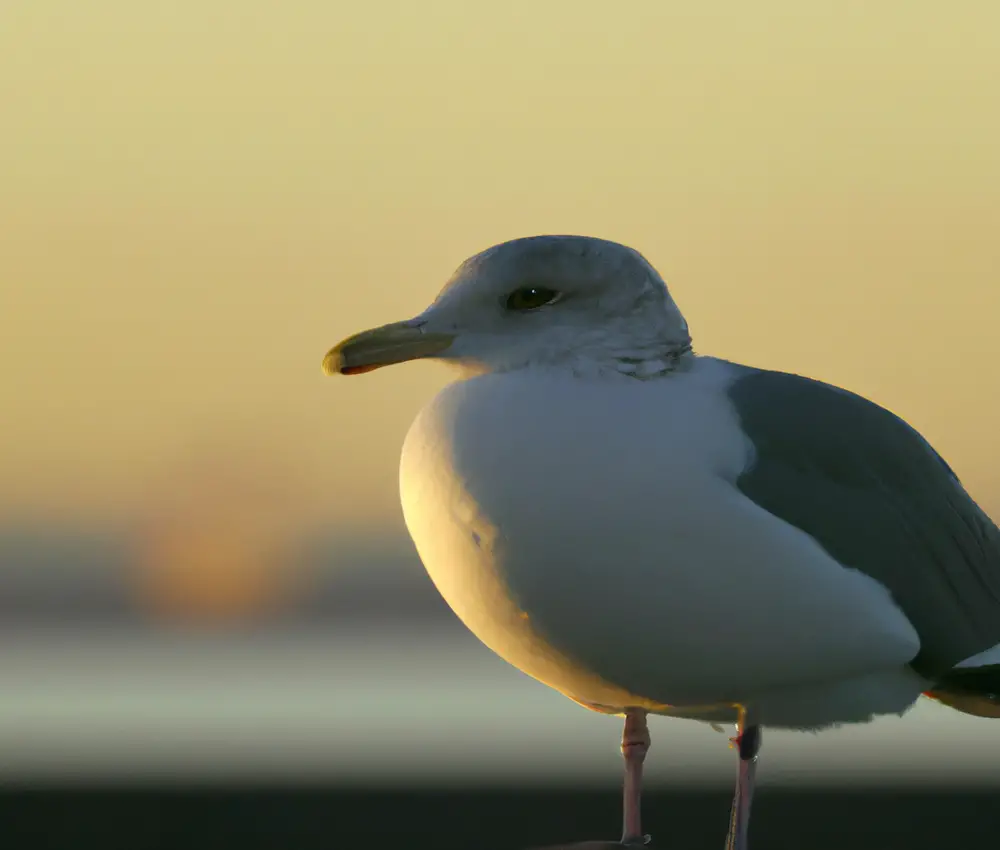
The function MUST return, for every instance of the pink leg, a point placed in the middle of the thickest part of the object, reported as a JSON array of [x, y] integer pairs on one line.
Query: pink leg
[[747, 743], [635, 744]]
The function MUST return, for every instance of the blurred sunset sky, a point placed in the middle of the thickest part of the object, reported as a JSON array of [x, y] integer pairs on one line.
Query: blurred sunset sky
[[198, 198]]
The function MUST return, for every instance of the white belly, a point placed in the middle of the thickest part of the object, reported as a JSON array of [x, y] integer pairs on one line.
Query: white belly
[[589, 533]]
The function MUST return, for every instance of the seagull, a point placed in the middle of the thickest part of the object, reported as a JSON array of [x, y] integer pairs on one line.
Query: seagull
[[648, 530]]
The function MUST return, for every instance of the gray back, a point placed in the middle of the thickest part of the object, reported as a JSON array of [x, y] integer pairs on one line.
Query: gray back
[[879, 499]]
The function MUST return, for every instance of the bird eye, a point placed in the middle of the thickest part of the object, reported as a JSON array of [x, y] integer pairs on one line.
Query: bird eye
[[530, 298]]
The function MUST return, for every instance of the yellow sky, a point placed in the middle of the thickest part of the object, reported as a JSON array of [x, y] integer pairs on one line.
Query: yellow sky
[[197, 198]]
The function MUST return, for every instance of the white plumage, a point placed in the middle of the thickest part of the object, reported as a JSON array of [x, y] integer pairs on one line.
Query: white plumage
[[588, 530]]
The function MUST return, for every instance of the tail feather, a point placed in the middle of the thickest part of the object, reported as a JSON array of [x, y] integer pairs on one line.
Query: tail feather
[[971, 690]]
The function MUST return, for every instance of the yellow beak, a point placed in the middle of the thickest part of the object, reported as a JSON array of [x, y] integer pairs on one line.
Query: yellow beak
[[395, 343]]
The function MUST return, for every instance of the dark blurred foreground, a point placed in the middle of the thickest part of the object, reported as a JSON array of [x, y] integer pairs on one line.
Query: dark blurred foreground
[[499, 819]]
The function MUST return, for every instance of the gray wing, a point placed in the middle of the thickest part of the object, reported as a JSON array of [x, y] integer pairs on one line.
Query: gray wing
[[879, 499]]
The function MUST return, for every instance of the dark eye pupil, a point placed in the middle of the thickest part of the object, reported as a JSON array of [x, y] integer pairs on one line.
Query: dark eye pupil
[[530, 297]]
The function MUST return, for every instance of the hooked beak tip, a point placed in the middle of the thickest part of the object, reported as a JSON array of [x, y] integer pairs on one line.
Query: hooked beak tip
[[395, 343]]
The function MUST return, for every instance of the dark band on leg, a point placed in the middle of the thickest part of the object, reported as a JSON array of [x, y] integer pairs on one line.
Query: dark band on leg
[[750, 742]]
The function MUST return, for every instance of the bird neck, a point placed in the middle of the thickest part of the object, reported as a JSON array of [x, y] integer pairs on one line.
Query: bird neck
[[655, 361]]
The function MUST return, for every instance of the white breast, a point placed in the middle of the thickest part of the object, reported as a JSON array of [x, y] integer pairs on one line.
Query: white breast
[[588, 531]]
